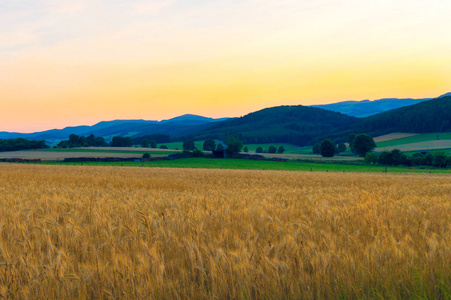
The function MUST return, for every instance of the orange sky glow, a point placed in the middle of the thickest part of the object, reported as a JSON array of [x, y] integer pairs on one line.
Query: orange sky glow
[[66, 64]]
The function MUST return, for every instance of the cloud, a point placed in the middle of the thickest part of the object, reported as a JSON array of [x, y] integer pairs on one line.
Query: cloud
[[149, 7]]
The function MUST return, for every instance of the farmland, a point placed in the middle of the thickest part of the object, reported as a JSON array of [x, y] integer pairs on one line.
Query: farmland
[[245, 164], [52, 154], [112, 232], [417, 138]]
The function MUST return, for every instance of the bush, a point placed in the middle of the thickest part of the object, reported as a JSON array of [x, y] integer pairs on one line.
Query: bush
[[281, 150], [245, 149], [327, 148], [371, 158], [146, 155], [197, 153], [163, 147], [259, 150]]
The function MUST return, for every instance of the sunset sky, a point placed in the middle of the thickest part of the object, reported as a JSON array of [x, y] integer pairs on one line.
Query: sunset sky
[[66, 63]]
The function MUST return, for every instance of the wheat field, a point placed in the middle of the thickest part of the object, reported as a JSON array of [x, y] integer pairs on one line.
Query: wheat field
[[147, 233]]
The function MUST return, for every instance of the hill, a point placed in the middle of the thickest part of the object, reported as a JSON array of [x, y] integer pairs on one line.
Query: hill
[[298, 125], [425, 117], [365, 108], [177, 126]]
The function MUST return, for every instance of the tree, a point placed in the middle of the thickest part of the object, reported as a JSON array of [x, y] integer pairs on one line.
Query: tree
[[128, 142], [74, 140], [281, 150], [116, 141], [427, 159], [362, 144], [20, 144], [439, 160], [220, 147], [259, 150], [234, 145], [83, 142], [119, 141], [385, 158], [63, 144], [327, 148], [393, 158], [146, 155], [153, 144], [91, 140], [145, 143], [398, 158], [209, 145], [317, 149], [100, 142], [272, 149], [351, 138], [163, 147], [341, 148], [189, 145], [245, 149]]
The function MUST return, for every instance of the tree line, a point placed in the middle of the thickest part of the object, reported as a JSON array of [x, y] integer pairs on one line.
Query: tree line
[[396, 157], [20, 144], [360, 145]]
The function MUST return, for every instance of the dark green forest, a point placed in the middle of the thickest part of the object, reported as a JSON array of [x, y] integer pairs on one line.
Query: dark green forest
[[298, 125], [301, 125], [428, 116]]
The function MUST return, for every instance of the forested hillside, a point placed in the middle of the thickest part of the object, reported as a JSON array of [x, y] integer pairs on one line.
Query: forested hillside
[[298, 125], [428, 116]]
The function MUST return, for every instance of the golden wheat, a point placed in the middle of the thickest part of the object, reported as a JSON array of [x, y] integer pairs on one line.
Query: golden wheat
[[111, 232]]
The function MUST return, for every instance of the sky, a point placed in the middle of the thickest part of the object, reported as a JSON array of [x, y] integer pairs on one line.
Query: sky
[[67, 63]]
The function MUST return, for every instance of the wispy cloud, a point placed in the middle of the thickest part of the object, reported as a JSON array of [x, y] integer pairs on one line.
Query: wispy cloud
[[260, 52]]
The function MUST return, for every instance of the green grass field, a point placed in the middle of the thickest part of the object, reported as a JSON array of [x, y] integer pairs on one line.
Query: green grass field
[[416, 139], [289, 148], [245, 164], [179, 145]]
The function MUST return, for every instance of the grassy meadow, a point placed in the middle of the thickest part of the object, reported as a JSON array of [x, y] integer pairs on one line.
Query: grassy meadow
[[112, 232], [247, 164]]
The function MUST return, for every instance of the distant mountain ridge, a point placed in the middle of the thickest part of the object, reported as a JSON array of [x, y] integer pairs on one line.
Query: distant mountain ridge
[[425, 117], [299, 125], [174, 127], [366, 108], [302, 125]]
